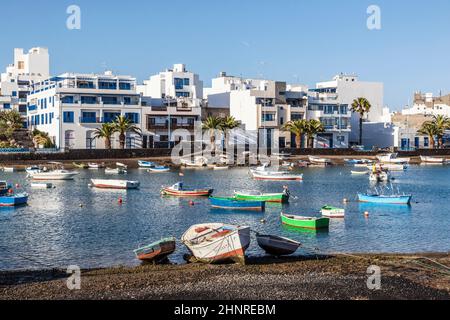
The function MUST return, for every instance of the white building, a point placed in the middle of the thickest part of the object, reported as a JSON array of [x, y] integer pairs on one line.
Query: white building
[[330, 102], [70, 107], [262, 106], [172, 101], [16, 81]]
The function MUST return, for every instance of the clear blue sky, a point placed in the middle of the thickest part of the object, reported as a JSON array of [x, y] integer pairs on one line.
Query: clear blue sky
[[293, 40]]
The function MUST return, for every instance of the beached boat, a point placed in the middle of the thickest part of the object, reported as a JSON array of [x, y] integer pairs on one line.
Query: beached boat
[[332, 212], [305, 222], [159, 169], [259, 196], [156, 251], [41, 185], [385, 199], [146, 164], [234, 204], [13, 200], [217, 242], [319, 161], [59, 174], [179, 190], [277, 246], [432, 160], [115, 184], [392, 158], [118, 170], [80, 165]]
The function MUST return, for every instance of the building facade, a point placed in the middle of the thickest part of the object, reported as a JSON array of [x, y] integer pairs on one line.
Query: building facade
[[16, 81], [72, 106], [172, 104]]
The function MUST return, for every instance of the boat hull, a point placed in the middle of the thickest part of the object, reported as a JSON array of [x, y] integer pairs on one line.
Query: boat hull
[[156, 251], [432, 160], [404, 200], [277, 246], [45, 176], [14, 200], [330, 212], [187, 193], [146, 164], [277, 198], [115, 184], [267, 176], [233, 204], [305, 222], [229, 247]]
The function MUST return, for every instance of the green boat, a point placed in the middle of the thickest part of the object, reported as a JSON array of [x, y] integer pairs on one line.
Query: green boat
[[305, 222], [266, 197]]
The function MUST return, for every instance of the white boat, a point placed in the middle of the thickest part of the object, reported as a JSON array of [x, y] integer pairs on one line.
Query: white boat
[[159, 169], [59, 174], [115, 184], [275, 175], [146, 164], [360, 173], [118, 170], [197, 163], [319, 161], [217, 242], [392, 158], [388, 166], [432, 160], [221, 167], [121, 165], [94, 166], [333, 212], [41, 185], [33, 169], [12, 169]]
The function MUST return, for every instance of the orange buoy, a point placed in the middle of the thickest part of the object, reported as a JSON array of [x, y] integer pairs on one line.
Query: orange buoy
[[120, 201]]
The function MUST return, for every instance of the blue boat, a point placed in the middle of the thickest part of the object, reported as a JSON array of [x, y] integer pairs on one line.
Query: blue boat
[[13, 200], [159, 169], [146, 164], [376, 198], [234, 204]]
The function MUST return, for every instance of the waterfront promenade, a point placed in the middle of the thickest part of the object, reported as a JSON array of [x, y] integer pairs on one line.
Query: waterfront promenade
[[314, 277]]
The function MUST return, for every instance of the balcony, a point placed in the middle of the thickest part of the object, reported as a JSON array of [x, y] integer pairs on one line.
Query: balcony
[[338, 128], [165, 126], [92, 120]]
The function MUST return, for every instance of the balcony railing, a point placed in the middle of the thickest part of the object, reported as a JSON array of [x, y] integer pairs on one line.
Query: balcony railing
[[165, 126], [90, 120]]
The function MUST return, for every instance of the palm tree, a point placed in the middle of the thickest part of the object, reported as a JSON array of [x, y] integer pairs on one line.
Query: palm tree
[[442, 123], [297, 127], [362, 107], [106, 131], [229, 123], [212, 125], [313, 127], [429, 129], [124, 125]]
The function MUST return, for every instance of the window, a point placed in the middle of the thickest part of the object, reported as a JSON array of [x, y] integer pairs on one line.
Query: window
[[68, 117], [110, 116], [107, 85], [268, 117], [179, 83], [127, 100], [88, 100], [109, 100], [186, 81], [14, 93], [124, 86], [133, 117], [67, 99], [180, 94], [85, 85], [426, 142], [7, 106], [88, 117], [21, 65]]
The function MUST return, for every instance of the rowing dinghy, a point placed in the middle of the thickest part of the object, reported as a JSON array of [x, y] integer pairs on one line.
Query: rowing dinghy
[[332, 212], [115, 184], [277, 246], [179, 190], [156, 251], [305, 222]]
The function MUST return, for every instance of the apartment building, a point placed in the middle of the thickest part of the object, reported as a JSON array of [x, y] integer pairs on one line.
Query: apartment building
[[262, 106], [330, 102], [72, 106], [16, 81], [172, 104]]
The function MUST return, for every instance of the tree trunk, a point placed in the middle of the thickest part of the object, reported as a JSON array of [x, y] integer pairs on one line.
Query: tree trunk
[[108, 143], [432, 143], [212, 139], [298, 141], [122, 141], [360, 130]]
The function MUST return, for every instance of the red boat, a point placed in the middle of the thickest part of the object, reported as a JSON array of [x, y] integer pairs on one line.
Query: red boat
[[178, 191]]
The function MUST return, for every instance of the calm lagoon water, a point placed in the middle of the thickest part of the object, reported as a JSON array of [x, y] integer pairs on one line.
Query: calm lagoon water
[[55, 231]]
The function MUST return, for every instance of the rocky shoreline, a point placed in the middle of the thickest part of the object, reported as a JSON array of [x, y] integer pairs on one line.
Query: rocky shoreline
[[424, 276]]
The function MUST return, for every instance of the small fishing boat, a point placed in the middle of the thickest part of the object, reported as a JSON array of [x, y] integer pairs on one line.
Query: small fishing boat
[[115, 184], [95, 166], [385, 199], [388, 166], [332, 212], [319, 161], [59, 174], [156, 251], [118, 170], [360, 173], [234, 204], [146, 164], [259, 196], [277, 246], [261, 173], [380, 176], [121, 165], [221, 167], [41, 185], [198, 162], [305, 222], [179, 190], [80, 165], [13, 200], [159, 169], [392, 158], [217, 242], [432, 160]]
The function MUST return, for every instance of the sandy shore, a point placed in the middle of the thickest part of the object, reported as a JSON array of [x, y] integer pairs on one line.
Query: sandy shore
[[324, 277]]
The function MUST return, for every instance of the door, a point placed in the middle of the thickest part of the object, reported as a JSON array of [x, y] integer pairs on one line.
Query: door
[[69, 137], [90, 140], [417, 142]]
